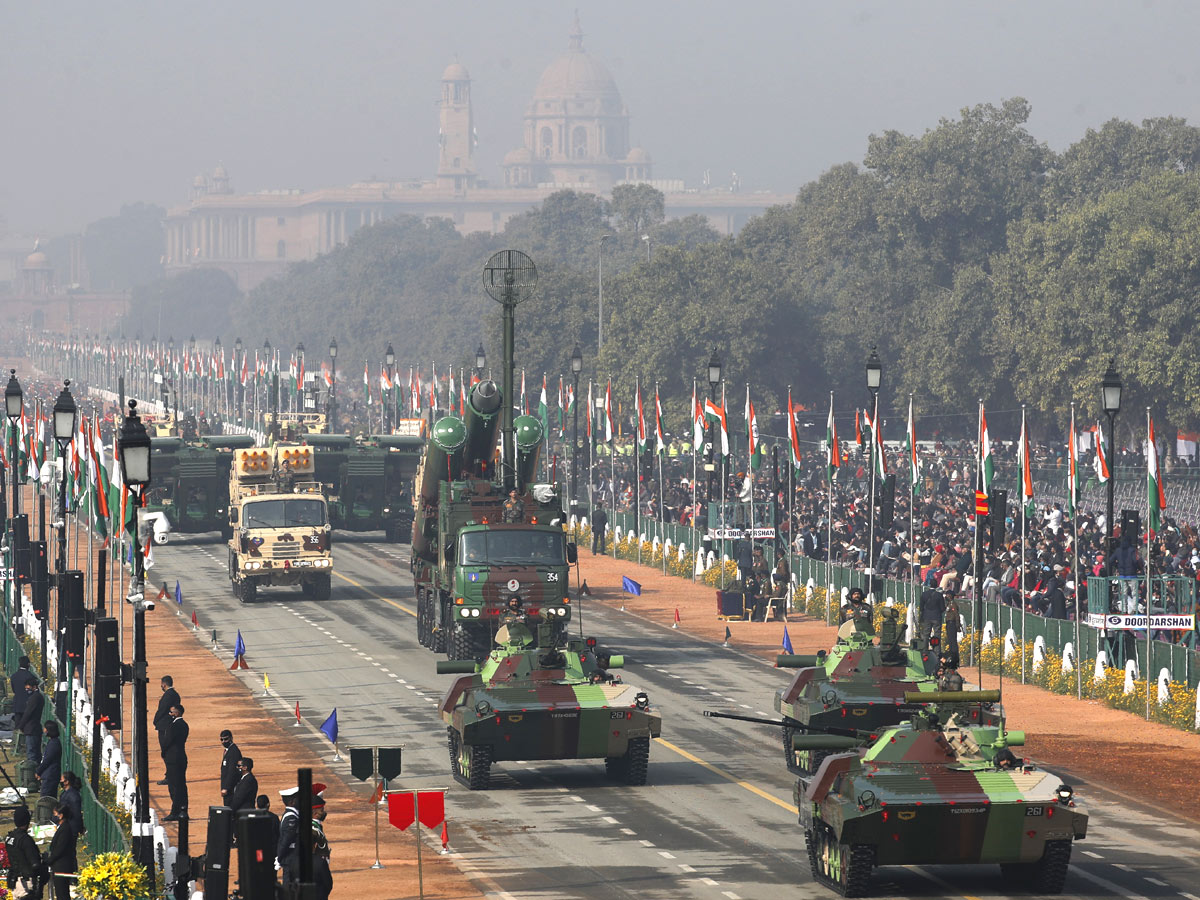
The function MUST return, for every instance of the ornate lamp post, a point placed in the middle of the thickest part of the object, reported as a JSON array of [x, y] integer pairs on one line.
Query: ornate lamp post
[[714, 379], [133, 449], [389, 360], [874, 369], [576, 368], [238, 364], [333, 385], [14, 403], [480, 360], [1110, 395]]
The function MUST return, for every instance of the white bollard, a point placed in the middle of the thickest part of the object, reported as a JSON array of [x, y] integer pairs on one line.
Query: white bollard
[[1131, 674], [1039, 652], [1101, 666], [889, 602], [1164, 686], [1010, 643], [989, 633], [1068, 660]]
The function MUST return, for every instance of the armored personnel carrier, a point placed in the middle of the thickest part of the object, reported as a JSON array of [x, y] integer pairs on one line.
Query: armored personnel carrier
[[536, 697], [938, 790], [859, 684]]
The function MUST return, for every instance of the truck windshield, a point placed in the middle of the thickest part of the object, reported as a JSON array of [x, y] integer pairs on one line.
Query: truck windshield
[[510, 547], [283, 513]]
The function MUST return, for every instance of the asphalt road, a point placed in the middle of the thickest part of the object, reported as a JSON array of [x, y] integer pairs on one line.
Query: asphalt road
[[716, 819]]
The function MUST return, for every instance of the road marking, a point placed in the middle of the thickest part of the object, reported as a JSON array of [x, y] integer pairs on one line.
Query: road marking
[[611, 821], [1122, 867], [411, 612], [1092, 855], [595, 808], [666, 855], [1189, 896], [684, 867], [1156, 881], [1105, 883], [628, 831], [576, 799], [744, 705], [646, 843], [731, 895], [728, 776], [708, 882]]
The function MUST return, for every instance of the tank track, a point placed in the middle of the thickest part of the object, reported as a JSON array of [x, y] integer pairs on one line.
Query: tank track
[[631, 768], [853, 865]]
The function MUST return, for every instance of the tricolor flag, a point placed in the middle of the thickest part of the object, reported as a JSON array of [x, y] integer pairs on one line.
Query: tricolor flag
[[832, 450], [1072, 469], [660, 445], [1100, 463], [877, 443], [914, 459], [714, 413], [753, 445], [326, 376], [591, 411], [367, 382], [608, 415], [524, 403], [641, 419], [1026, 468], [697, 422], [858, 437], [987, 463], [793, 435], [1156, 498], [544, 408]]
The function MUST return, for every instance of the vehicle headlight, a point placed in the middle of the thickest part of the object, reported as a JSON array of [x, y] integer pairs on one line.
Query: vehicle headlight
[[475, 613], [465, 613], [561, 611]]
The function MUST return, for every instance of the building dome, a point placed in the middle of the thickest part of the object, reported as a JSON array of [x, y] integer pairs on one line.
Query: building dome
[[37, 260], [638, 156], [220, 172], [456, 71], [576, 75]]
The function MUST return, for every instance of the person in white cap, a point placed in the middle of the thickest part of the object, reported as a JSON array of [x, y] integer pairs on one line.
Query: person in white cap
[[287, 854]]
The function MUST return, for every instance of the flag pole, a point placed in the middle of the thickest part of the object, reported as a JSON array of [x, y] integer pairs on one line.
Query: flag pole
[[724, 486], [695, 454], [1150, 448], [662, 487], [749, 469], [791, 592], [612, 461], [637, 466], [976, 612], [912, 507], [1024, 521], [833, 448], [1078, 636]]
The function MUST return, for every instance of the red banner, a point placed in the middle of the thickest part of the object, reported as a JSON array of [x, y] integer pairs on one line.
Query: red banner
[[431, 808], [981, 503]]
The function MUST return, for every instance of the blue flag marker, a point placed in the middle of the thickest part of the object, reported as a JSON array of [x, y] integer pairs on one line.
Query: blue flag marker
[[239, 647], [629, 586], [787, 642], [178, 593], [329, 727]]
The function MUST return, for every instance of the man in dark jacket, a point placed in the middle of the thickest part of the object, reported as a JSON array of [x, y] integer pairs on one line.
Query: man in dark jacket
[[599, 537], [242, 795], [49, 770], [30, 723], [175, 756], [229, 765], [24, 861], [61, 856], [162, 715], [72, 799], [933, 610], [18, 680], [263, 805]]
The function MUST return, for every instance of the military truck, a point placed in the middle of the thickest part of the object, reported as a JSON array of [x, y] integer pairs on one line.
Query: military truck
[[469, 562], [191, 481], [368, 480], [280, 523], [540, 696]]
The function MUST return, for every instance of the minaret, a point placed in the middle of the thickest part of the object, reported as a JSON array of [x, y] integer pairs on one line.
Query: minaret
[[456, 131]]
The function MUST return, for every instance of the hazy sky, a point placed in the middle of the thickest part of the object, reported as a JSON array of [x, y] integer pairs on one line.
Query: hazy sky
[[114, 102]]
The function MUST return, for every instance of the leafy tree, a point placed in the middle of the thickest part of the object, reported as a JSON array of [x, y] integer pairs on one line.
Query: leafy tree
[[125, 251], [638, 207], [197, 301]]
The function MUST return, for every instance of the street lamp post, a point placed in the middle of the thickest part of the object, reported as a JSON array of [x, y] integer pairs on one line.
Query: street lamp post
[[714, 379], [219, 353], [333, 386], [133, 448], [874, 377], [239, 362], [190, 398], [480, 360], [64, 430], [389, 360], [267, 361], [1110, 395], [14, 402], [576, 368]]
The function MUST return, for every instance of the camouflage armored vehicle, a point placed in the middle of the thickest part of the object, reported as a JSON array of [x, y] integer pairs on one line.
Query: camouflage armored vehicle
[[470, 555], [937, 790], [191, 481], [537, 697], [280, 522], [859, 684], [367, 480]]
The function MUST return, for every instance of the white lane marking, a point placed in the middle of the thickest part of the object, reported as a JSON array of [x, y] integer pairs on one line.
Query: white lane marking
[[744, 705], [367, 658], [731, 895], [628, 831], [595, 809], [610, 820], [1105, 883], [378, 666], [679, 677], [709, 882], [576, 799], [646, 843], [1156, 881], [1122, 867], [410, 687], [690, 683], [397, 677], [1189, 896], [1092, 855], [761, 713], [387, 671], [730, 699], [666, 855], [684, 867], [402, 681], [562, 790]]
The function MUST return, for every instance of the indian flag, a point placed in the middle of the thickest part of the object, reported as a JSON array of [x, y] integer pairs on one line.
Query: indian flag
[[608, 414], [660, 445], [987, 463], [714, 413], [754, 445], [1100, 463], [544, 407], [367, 383], [793, 436], [914, 460], [1072, 469], [1156, 498], [877, 442], [697, 422], [1026, 470], [641, 419], [833, 451]]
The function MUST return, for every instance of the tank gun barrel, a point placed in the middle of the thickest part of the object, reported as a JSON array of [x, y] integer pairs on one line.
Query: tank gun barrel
[[799, 660], [713, 714]]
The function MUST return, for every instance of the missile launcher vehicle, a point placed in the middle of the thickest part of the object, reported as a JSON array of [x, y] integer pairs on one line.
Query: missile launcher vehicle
[[539, 697]]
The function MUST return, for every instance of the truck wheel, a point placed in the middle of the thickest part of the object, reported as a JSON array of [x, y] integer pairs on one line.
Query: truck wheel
[[461, 646], [1050, 872], [249, 591], [226, 532], [422, 619], [320, 587], [438, 633]]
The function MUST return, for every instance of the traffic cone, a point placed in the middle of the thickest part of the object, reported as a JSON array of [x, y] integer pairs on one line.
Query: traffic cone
[[195, 622], [445, 836], [675, 624], [297, 723], [727, 637], [162, 595]]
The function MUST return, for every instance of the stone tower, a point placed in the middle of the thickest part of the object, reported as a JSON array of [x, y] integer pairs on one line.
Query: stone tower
[[456, 131]]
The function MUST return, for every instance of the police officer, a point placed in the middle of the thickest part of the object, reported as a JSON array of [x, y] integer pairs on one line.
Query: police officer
[[287, 855], [599, 528], [514, 509]]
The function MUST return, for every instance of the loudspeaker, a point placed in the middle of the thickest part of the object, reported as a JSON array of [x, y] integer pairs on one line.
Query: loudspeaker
[[998, 506], [887, 503], [40, 581], [71, 611], [107, 700], [216, 854], [1131, 525], [108, 659], [20, 536], [256, 856]]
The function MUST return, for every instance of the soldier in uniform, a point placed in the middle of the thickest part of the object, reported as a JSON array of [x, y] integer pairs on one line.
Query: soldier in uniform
[[514, 509], [948, 678], [322, 875], [856, 609], [286, 481]]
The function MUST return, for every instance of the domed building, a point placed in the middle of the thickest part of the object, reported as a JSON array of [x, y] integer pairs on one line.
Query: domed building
[[576, 128]]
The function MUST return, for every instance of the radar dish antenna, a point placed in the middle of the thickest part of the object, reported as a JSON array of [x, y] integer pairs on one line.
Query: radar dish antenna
[[509, 276]]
